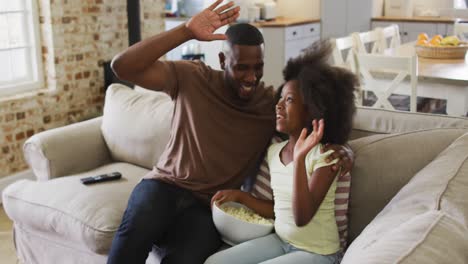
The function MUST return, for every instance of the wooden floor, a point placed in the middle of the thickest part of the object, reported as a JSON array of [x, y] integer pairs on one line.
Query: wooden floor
[[5, 222], [7, 249]]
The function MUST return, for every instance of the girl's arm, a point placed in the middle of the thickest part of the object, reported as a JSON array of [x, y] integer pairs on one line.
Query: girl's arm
[[307, 196], [262, 207]]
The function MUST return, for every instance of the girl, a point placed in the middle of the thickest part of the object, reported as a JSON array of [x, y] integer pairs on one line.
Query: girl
[[315, 105]]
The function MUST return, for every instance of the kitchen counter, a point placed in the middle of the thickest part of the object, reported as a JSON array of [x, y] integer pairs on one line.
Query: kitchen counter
[[447, 20], [277, 22], [285, 22]]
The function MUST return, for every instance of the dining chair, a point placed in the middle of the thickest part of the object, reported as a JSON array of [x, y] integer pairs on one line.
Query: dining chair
[[389, 36], [383, 75], [460, 29], [343, 53], [368, 42]]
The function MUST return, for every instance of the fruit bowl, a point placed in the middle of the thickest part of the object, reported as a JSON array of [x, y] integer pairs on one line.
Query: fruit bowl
[[442, 52], [439, 47], [233, 229]]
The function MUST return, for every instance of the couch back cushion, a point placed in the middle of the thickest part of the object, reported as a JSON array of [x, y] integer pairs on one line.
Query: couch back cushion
[[384, 164], [370, 121], [136, 124], [427, 214]]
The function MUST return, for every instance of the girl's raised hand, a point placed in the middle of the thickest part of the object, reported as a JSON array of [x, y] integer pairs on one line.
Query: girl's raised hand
[[305, 143]]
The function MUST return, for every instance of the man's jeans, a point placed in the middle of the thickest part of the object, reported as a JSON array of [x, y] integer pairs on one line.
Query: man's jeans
[[169, 217]]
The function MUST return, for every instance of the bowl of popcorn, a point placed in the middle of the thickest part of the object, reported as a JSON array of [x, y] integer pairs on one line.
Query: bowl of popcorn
[[237, 223]]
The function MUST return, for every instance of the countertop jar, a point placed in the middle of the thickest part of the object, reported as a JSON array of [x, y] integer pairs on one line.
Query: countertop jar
[[189, 8]]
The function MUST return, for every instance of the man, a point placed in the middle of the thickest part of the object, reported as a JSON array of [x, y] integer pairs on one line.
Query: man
[[222, 124]]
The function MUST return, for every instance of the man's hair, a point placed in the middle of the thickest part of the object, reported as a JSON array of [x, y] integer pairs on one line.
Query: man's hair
[[328, 91], [244, 34]]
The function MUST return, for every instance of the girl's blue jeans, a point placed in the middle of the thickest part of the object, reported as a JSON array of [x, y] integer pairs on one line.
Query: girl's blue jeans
[[269, 249]]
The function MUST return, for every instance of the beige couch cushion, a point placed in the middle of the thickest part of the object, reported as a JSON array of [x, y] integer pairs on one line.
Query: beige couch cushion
[[440, 186], [136, 125], [63, 207], [430, 237], [369, 121], [385, 163]]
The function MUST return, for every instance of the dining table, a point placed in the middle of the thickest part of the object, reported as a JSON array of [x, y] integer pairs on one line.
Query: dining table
[[445, 79]]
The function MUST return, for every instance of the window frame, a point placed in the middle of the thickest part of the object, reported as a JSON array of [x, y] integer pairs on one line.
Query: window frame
[[35, 73]]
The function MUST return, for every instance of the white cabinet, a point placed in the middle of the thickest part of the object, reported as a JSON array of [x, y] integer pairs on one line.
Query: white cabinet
[[342, 17], [409, 31], [449, 29], [283, 43]]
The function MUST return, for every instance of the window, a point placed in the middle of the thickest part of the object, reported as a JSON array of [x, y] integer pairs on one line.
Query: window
[[460, 4], [20, 58]]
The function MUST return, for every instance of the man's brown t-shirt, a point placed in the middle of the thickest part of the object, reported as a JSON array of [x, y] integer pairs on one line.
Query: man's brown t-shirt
[[216, 138]]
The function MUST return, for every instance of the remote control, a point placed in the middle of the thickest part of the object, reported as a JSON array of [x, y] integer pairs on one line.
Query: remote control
[[101, 178]]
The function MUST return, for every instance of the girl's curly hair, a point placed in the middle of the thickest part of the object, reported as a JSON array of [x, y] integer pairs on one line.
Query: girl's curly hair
[[328, 91]]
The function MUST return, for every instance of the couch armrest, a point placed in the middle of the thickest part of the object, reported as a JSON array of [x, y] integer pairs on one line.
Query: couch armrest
[[67, 150]]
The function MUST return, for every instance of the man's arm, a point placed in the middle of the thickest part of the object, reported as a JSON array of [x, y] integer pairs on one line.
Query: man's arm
[[345, 156], [139, 64]]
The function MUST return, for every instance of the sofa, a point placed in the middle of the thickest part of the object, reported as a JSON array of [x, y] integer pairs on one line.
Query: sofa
[[408, 201]]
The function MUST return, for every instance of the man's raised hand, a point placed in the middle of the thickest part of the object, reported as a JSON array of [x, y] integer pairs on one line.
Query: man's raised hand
[[204, 24]]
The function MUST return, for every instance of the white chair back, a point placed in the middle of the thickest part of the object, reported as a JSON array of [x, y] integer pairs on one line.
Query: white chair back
[[343, 53], [461, 30], [390, 36], [397, 66], [368, 42], [344, 56]]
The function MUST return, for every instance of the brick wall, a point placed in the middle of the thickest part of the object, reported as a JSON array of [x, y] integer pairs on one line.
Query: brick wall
[[152, 22], [76, 36]]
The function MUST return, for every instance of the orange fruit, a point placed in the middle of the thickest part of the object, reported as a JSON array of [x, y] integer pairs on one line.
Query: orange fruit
[[435, 41], [422, 42], [423, 36]]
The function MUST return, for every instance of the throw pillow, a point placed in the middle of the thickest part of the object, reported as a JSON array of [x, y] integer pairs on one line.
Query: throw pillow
[[133, 121], [431, 237]]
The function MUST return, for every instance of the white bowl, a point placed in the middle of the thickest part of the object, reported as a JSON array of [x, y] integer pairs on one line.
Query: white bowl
[[234, 230]]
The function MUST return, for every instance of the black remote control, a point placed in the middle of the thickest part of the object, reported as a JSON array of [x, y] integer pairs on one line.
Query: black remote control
[[101, 178]]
